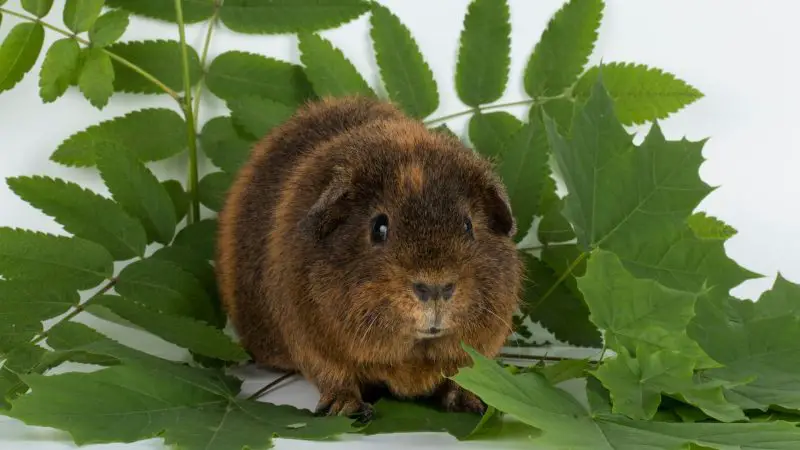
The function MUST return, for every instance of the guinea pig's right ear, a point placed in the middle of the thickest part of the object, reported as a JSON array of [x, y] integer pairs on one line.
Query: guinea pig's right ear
[[328, 211], [498, 210]]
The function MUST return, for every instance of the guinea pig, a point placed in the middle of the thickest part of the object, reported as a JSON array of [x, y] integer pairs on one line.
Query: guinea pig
[[360, 249]]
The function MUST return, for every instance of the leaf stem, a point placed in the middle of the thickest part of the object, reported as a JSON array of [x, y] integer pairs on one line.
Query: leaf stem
[[204, 57], [191, 135], [147, 75], [483, 108], [560, 280], [271, 385]]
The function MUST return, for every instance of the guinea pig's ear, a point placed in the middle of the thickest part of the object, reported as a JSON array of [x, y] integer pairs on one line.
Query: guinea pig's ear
[[328, 211], [498, 210]]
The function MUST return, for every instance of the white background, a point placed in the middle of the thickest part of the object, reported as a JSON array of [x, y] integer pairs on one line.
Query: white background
[[743, 55]]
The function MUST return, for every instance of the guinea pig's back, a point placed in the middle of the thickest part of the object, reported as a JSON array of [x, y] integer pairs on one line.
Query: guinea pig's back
[[248, 215]]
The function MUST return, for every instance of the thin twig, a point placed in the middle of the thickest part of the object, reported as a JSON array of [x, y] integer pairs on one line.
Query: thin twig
[[483, 108], [271, 385]]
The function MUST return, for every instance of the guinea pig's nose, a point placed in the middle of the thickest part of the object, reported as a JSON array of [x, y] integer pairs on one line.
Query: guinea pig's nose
[[425, 292]]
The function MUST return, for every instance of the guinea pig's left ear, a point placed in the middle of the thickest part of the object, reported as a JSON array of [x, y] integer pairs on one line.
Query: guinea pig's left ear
[[328, 211], [498, 210]]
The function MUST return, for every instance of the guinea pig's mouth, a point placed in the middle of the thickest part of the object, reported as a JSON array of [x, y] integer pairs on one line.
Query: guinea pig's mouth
[[430, 333]]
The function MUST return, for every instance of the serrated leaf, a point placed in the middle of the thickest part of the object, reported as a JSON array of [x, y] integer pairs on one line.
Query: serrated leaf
[[138, 191], [191, 261], [640, 93], [38, 8], [257, 115], [200, 236], [634, 312], [564, 48], [561, 110], [83, 213], [23, 307], [180, 200], [554, 227], [182, 331], [568, 369], [754, 340], [406, 76], [523, 169], [193, 10], [708, 227], [80, 15], [96, 79], [66, 262], [223, 145], [289, 16], [489, 132], [236, 74], [160, 58], [484, 54], [329, 71], [18, 361], [636, 384], [108, 28], [19, 53], [60, 67], [165, 287], [212, 189], [151, 134], [149, 397], [565, 423], [556, 307]]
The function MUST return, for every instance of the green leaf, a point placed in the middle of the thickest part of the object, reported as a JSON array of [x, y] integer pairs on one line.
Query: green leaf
[[83, 213], [641, 93], [96, 79], [160, 58], [38, 8], [180, 199], [67, 262], [23, 307], [555, 306], [236, 74], [200, 236], [108, 28], [634, 312], [289, 16], [193, 10], [489, 132], [151, 134], [444, 129], [212, 190], [708, 227], [568, 369], [484, 55], [554, 228], [329, 71], [392, 416], [60, 67], [182, 331], [163, 286], [223, 145], [145, 398], [19, 53], [523, 169], [636, 384], [406, 76], [564, 48], [80, 15], [191, 261], [754, 340], [619, 192], [565, 423], [20, 360], [257, 115], [138, 191]]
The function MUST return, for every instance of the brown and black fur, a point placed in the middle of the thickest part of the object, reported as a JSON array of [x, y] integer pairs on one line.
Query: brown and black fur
[[307, 289]]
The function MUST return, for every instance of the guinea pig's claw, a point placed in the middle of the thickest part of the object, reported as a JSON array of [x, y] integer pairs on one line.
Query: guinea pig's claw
[[345, 406], [454, 398]]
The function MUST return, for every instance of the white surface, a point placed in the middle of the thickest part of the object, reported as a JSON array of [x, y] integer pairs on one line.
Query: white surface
[[742, 55]]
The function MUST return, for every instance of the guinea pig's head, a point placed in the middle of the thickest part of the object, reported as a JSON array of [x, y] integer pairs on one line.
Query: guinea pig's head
[[413, 242]]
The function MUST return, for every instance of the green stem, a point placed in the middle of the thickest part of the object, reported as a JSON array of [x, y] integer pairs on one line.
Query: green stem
[[147, 75], [204, 57], [483, 108], [191, 135]]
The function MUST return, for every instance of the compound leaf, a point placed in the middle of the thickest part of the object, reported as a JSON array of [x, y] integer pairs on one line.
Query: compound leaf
[[226, 148], [96, 79], [640, 93], [193, 10], [19, 53], [257, 115], [160, 58], [329, 71], [564, 48], [289, 16], [24, 305], [68, 262], [151, 134], [212, 189], [489, 132], [60, 67], [484, 54], [406, 76], [84, 213], [80, 15], [108, 28]]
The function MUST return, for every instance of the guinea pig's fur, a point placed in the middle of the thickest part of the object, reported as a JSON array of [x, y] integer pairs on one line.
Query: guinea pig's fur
[[311, 285]]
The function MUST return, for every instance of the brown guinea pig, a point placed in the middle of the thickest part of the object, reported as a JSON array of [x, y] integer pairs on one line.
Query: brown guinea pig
[[360, 249]]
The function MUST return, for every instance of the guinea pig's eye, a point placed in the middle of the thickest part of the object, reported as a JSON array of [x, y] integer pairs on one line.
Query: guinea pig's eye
[[380, 228], [468, 226]]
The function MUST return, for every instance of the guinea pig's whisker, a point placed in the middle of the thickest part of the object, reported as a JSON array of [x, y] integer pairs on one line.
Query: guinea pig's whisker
[[486, 309]]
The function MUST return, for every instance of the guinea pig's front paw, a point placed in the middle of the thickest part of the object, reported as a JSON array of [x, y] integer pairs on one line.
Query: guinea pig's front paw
[[344, 404], [454, 398]]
